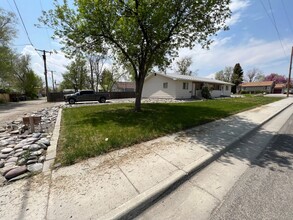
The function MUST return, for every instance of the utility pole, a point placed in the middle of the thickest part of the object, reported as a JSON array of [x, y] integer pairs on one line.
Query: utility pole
[[45, 69], [290, 68]]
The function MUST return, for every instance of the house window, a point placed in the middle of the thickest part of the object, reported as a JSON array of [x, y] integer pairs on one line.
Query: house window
[[227, 88], [165, 85], [216, 87], [185, 85]]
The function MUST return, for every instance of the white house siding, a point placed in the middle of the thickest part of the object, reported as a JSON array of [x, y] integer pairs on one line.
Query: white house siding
[[153, 88], [183, 93], [257, 88], [226, 90], [215, 93]]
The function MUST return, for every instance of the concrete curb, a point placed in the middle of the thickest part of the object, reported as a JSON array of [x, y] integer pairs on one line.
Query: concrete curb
[[52, 150], [135, 206]]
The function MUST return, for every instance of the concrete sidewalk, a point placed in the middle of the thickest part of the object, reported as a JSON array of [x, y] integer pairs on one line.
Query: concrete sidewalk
[[119, 184]]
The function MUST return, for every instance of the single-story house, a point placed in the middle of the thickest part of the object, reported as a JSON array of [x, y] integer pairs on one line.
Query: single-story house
[[124, 87], [265, 86], [159, 85]]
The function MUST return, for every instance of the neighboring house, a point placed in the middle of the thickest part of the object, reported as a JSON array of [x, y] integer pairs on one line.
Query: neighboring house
[[254, 87], [280, 88], [158, 85], [123, 87]]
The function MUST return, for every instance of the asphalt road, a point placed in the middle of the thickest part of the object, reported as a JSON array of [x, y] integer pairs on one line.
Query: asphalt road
[[13, 110], [265, 191]]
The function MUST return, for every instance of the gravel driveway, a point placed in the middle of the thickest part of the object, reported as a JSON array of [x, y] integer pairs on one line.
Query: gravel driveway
[[14, 110]]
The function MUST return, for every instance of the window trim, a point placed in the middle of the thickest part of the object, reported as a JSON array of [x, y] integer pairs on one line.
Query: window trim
[[185, 86], [165, 85]]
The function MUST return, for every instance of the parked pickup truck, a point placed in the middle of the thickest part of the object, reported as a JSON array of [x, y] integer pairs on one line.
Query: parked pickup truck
[[86, 95]]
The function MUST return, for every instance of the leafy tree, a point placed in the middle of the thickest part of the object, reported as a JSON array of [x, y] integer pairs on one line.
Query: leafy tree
[[225, 75], [143, 33], [205, 93], [183, 65], [110, 76], [7, 27], [76, 76], [237, 76], [7, 33], [260, 77], [107, 80], [276, 78], [6, 61], [96, 62], [23, 78], [254, 75]]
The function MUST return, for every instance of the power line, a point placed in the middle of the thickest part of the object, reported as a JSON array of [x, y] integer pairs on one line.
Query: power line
[[273, 22], [46, 28], [23, 23], [287, 16]]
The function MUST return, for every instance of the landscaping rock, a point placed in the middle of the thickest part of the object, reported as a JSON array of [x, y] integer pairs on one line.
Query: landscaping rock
[[19, 177], [31, 161], [15, 132], [43, 146], [35, 168], [2, 164], [6, 150], [5, 169], [36, 135], [9, 164], [32, 157], [34, 147], [41, 159], [4, 143], [3, 156], [44, 141], [37, 153], [19, 148], [20, 153], [21, 161], [12, 159], [15, 172], [25, 147]]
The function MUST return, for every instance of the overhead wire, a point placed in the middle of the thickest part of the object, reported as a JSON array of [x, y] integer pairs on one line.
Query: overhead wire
[[46, 28], [273, 21], [287, 16], [23, 24]]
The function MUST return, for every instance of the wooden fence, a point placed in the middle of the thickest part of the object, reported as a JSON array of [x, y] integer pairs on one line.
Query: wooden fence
[[59, 96]]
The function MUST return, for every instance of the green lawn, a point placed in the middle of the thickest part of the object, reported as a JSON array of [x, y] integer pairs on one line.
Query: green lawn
[[92, 130]]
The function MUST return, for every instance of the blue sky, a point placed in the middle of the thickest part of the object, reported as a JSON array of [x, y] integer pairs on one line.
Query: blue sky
[[260, 36]]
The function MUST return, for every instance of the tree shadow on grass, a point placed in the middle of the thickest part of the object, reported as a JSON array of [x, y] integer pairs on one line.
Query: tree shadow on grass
[[158, 117]]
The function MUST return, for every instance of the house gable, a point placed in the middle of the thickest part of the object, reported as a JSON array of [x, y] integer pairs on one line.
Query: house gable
[[157, 86]]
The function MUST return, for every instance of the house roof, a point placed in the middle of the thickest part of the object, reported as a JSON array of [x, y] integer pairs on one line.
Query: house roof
[[280, 85], [125, 85], [256, 84], [191, 78]]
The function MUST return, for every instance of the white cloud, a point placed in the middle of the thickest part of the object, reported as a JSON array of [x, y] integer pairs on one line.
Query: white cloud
[[55, 62], [266, 55], [237, 7]]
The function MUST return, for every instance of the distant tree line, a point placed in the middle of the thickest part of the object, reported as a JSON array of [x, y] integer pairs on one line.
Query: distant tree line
[[236, 76], [16, 74]]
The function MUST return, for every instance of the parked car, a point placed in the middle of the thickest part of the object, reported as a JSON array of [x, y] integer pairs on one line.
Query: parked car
[[86, 95]]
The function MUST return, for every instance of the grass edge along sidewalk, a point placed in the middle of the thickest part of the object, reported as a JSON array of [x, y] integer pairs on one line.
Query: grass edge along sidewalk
[[93, 130]]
